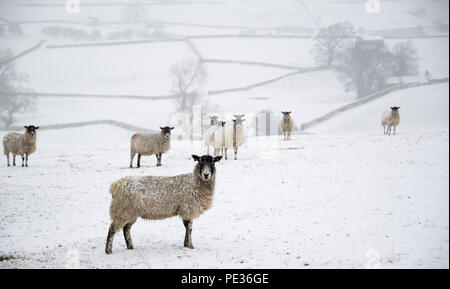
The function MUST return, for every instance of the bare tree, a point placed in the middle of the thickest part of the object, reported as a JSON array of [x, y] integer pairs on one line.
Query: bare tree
[[404, 59], [365, 67], [330, 41], [14, 96], [188, 78]]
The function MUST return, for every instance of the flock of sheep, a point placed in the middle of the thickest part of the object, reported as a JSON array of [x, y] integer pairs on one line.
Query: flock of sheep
[[157, 197]]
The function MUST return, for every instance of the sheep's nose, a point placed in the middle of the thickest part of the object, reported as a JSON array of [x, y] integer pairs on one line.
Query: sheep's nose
[[206, 176]]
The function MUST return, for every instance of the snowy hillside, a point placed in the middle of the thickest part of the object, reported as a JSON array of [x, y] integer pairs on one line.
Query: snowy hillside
[[420, 108]]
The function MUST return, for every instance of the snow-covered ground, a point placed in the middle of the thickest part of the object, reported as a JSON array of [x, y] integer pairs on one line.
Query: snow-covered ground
[[317, 201], [341, 195]]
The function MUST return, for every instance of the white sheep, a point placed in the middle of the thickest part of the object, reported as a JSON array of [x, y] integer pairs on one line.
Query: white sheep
[[154, 198], [150, 144], [230, 135], [20, 144], [207, 134], [389, 119], [287, 125]]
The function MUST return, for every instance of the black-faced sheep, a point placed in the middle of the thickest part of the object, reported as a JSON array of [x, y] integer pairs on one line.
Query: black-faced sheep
[[287, 125], [20, 144], [389, 119], [150, 144], [149, 197]]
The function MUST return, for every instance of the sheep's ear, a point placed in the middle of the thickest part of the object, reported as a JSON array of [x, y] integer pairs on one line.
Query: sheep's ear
[[26, 127], [217, 159], [196, 158], [171, 128], [36, 127], [161, 128]]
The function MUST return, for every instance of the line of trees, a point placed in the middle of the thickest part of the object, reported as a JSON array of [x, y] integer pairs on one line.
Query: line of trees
[[363, 65]]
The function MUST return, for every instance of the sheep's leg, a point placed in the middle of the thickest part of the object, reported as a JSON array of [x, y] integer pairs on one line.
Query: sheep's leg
[[23, 159], [14, 160], [132, 154], [395, 129], [139, 161], [289, 136], [26, 160], [187, 237], [127, 235], [7, 157], [110, 238], [235, 152], [160, 158], [226, 153]]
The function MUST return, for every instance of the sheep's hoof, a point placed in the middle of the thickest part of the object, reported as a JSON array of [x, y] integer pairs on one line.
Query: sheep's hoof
[[130, 247], [108, 251], [22, 165], [8, 165], [26, 166], [189, 246], [158, 165]]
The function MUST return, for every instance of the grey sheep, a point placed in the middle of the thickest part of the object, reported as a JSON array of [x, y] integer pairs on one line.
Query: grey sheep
[[150, 144], [20, 144], [154, 198]]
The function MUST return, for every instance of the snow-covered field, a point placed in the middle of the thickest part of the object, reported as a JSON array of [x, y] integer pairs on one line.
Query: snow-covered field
[[318, 201], [340, 195]]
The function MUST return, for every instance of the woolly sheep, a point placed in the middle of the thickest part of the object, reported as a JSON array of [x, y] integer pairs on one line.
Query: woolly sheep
[[389, 119], [229, 136], [150, 144], [20, 144], [207, 135], [287, 125], [155, 198]]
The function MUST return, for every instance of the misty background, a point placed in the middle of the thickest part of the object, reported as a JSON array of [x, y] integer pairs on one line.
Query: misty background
[[141, 62]]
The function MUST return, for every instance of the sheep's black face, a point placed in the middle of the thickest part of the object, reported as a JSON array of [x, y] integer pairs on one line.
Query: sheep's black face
[[206, 166], [165, 132], [31, 129], [286, 114], [395, 110]]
